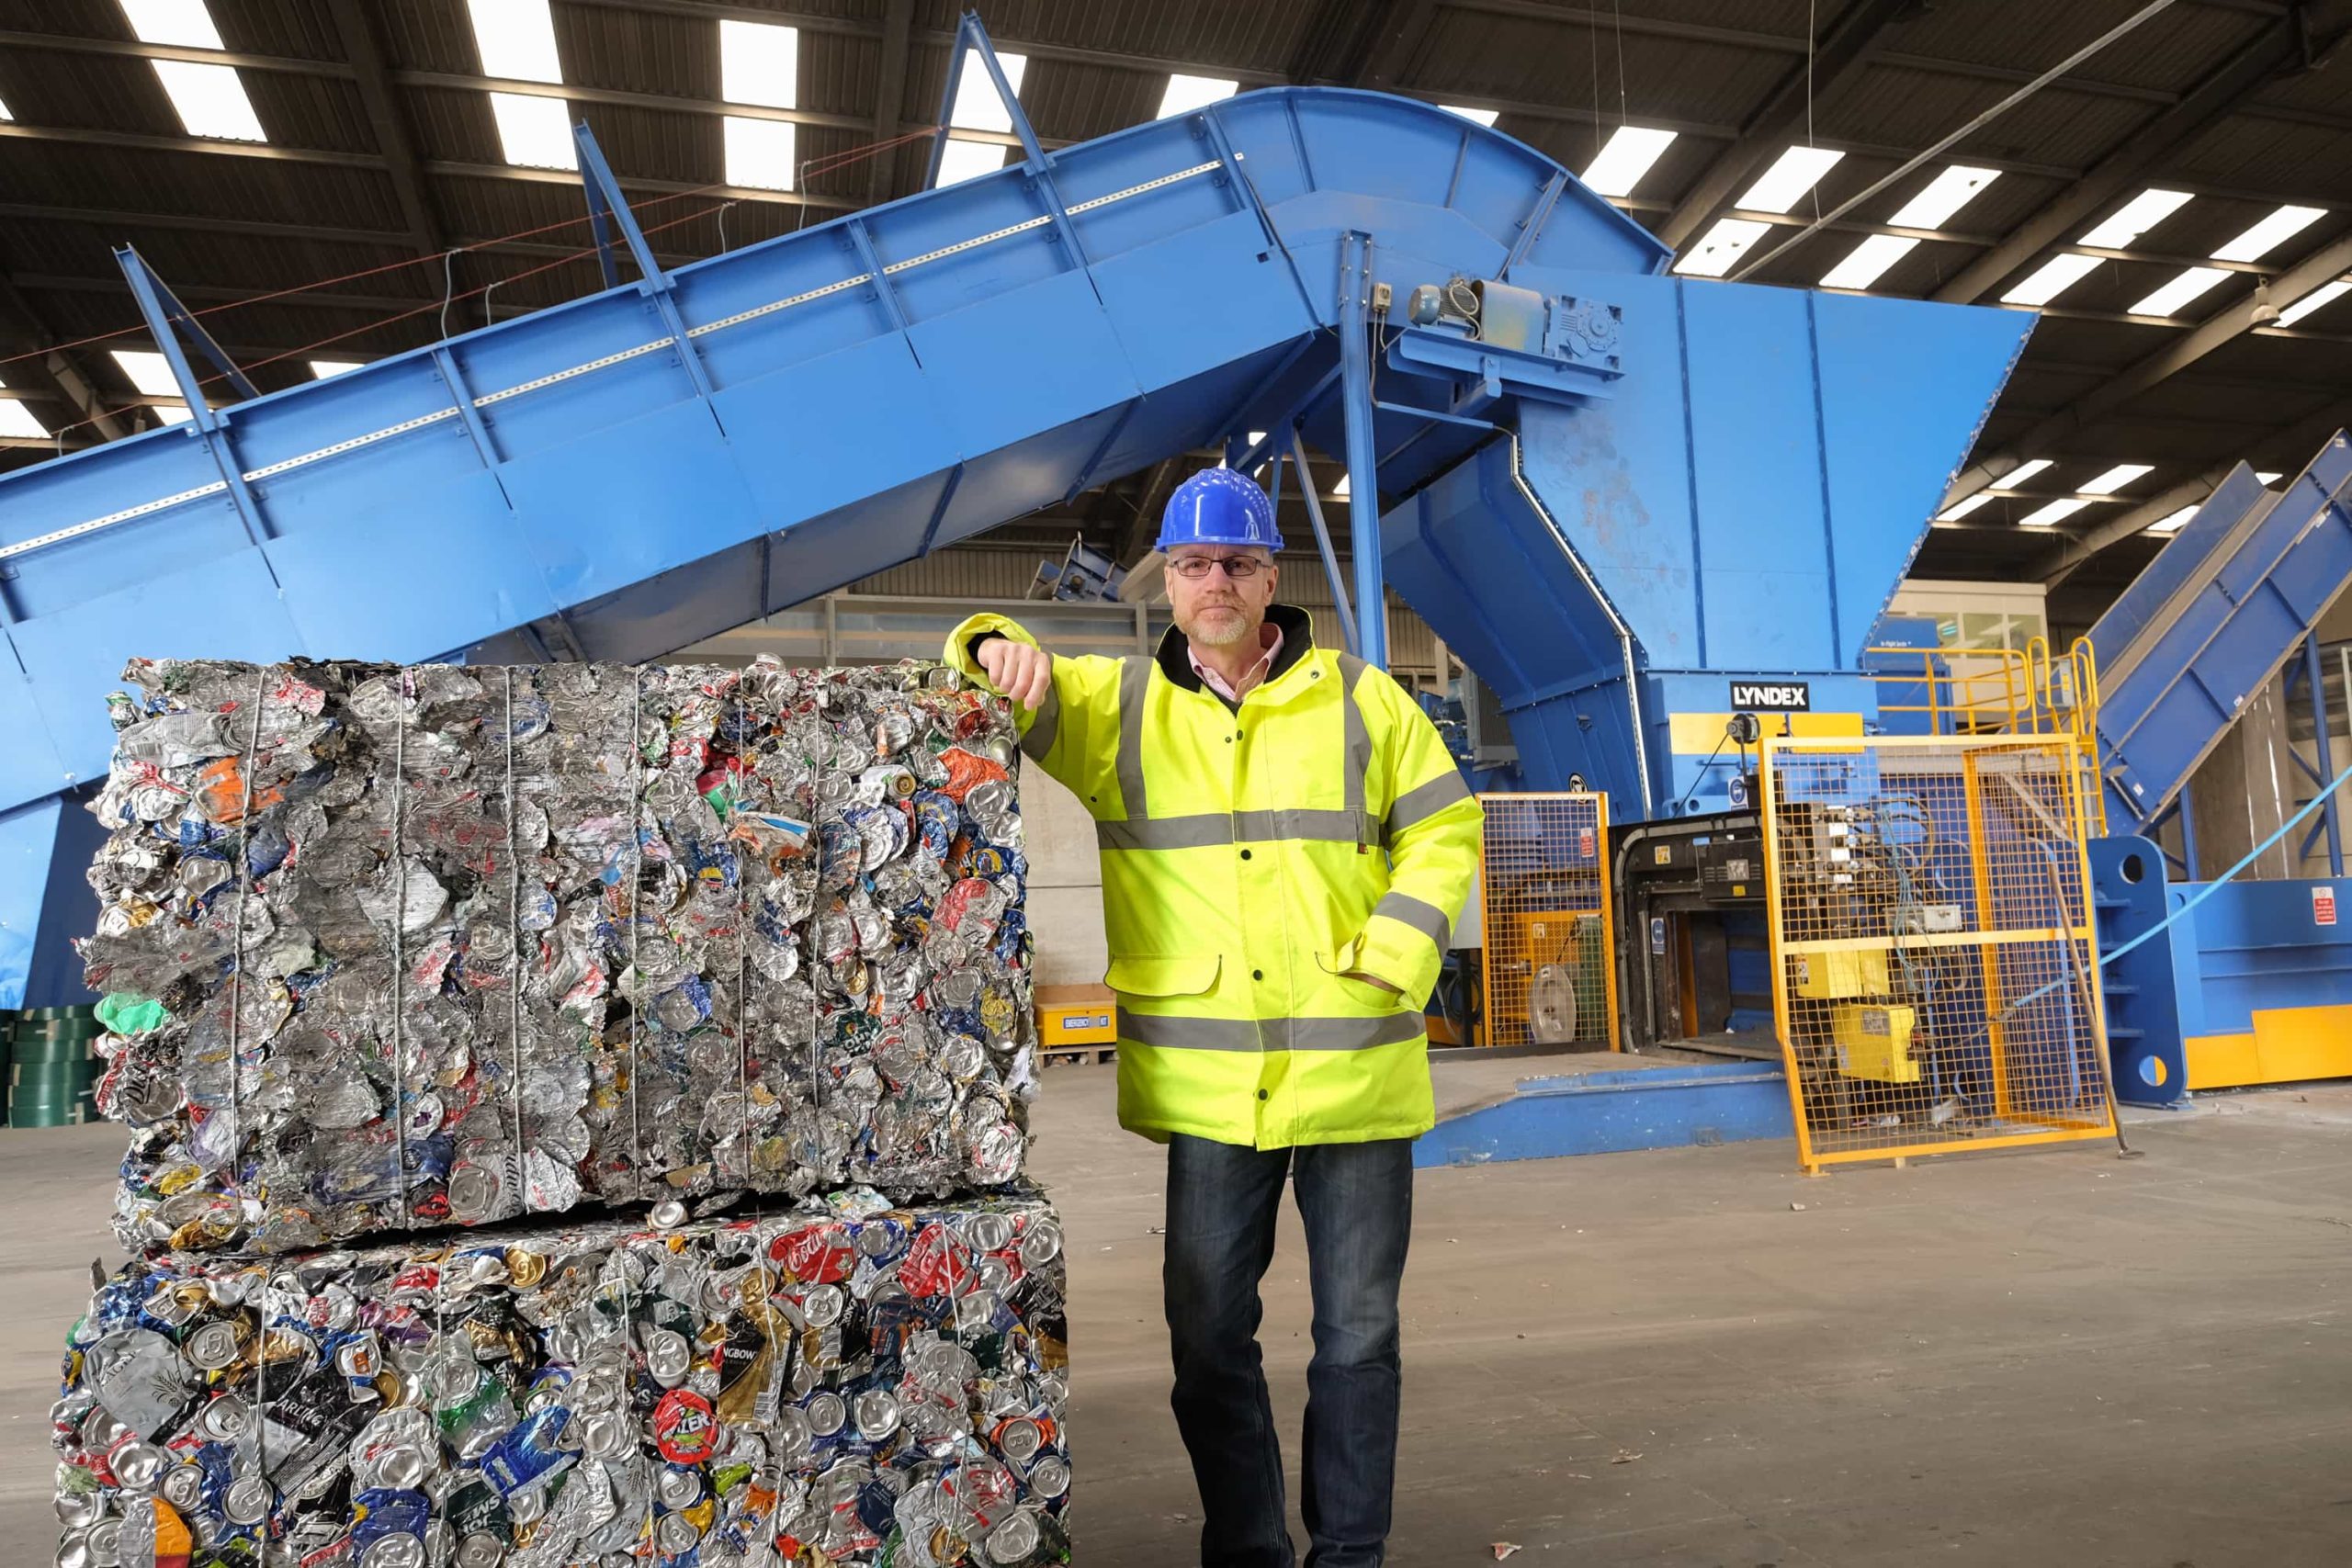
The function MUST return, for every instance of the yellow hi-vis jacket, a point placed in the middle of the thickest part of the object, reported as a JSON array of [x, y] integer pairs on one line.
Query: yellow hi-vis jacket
[[1251, 858]]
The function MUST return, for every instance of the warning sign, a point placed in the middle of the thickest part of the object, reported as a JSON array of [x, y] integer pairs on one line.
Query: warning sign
[[1584, 843], [2323, 906]]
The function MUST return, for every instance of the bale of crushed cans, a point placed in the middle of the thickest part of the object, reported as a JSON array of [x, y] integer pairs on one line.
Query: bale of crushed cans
[[847, 1383], [488, 943]]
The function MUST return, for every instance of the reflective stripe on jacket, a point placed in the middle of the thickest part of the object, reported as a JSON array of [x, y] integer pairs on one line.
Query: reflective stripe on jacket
[[1252, 859]]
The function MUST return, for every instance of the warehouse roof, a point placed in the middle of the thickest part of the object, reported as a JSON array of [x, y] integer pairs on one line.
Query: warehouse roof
[[252, 148]]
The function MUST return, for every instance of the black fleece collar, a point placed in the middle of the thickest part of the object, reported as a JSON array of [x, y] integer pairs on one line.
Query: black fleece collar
[[1298, 640]]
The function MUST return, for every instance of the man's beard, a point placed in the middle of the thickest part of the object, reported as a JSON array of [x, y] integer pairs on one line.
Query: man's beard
[[1222, 634]]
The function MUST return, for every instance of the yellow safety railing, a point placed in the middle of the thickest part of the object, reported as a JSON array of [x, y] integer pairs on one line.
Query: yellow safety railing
[[1547, 922], [1936, 963], [2001, 691]]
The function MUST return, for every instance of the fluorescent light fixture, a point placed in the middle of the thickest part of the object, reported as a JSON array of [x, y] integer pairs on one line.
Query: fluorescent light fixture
[[2051, 514], [2051, 279], [1340, 490], [517, 39], [1186, 94], [148, 371], [760, 152], [2268, 234], [1866, 261], [2135, 218], [172, 413], [976, 106], [183, 22], [1792, 175], [963, 160], [1720, 248], [759, 64], [2021, 473], [322, 368], [2269, 479], [17, 420], [2319, 299], [1484, 117], [1962, 507], [1620, 165], [1945, 195], [2174, 523], [2191, 282], [532, 132], [210, 100], [2116, 478]]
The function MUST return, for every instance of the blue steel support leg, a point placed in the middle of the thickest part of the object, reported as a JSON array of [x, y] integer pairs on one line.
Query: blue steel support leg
[[161, 320], [1364, 468], [2188, 838], [166, 317], [971, 37], [652, 279], [1322, 536], [2315, 676]]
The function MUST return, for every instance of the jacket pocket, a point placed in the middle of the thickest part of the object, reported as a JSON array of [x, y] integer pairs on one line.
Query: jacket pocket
[[1163, 975], [1362, 993]]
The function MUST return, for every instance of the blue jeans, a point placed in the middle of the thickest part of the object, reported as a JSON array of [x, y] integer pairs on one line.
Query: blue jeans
[[1357, 1201]]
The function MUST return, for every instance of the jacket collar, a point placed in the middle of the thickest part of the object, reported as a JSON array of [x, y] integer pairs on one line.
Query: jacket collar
[[1298, 640]]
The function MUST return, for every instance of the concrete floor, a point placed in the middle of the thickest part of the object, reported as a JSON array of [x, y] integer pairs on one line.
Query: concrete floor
[[2038, 1357]]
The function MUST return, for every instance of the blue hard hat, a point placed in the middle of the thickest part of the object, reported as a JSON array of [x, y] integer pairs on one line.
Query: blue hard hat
[[1218, 506]]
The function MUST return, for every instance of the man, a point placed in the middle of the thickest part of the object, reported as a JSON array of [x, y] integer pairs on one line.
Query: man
[[1284, 843]]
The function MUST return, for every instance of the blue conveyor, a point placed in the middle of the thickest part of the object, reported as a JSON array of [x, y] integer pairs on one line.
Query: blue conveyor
[[2212, 621], [1671, 485]]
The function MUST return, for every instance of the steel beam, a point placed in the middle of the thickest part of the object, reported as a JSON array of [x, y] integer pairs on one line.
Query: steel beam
[[890, 98], [1364, 465], [393, 137], [53, 373], [2245, 73], [2231, 321], [1843, 51]]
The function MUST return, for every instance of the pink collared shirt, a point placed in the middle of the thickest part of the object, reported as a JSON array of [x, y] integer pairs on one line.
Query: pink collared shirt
[[1270, 639]]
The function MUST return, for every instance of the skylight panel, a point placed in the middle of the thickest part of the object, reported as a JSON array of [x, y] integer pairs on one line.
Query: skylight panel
[[963, 160], [2176, 521], [183, 22], [517, 39], [2135, 218], [1796, 172], [761, 153], [1484, 117], [149, 372], [2270, 233], [2271, 478], [2021, 473], [322, 368], [2116, 478], [1620, 164], [976, 106], [2187, 285], [758, 63], [1340, 490], [2051, 279], [209, 100], [2051, 513], [1720, 248], [1962, 507], [5, 112], [17, 420], [172, 413], [1865, 262], [1949, 191], [2319, 299], [1186, 94], [534, 131]]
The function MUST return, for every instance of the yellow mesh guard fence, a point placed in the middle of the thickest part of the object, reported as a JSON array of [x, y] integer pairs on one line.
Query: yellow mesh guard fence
[[1937, 962], [1548, 931]]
